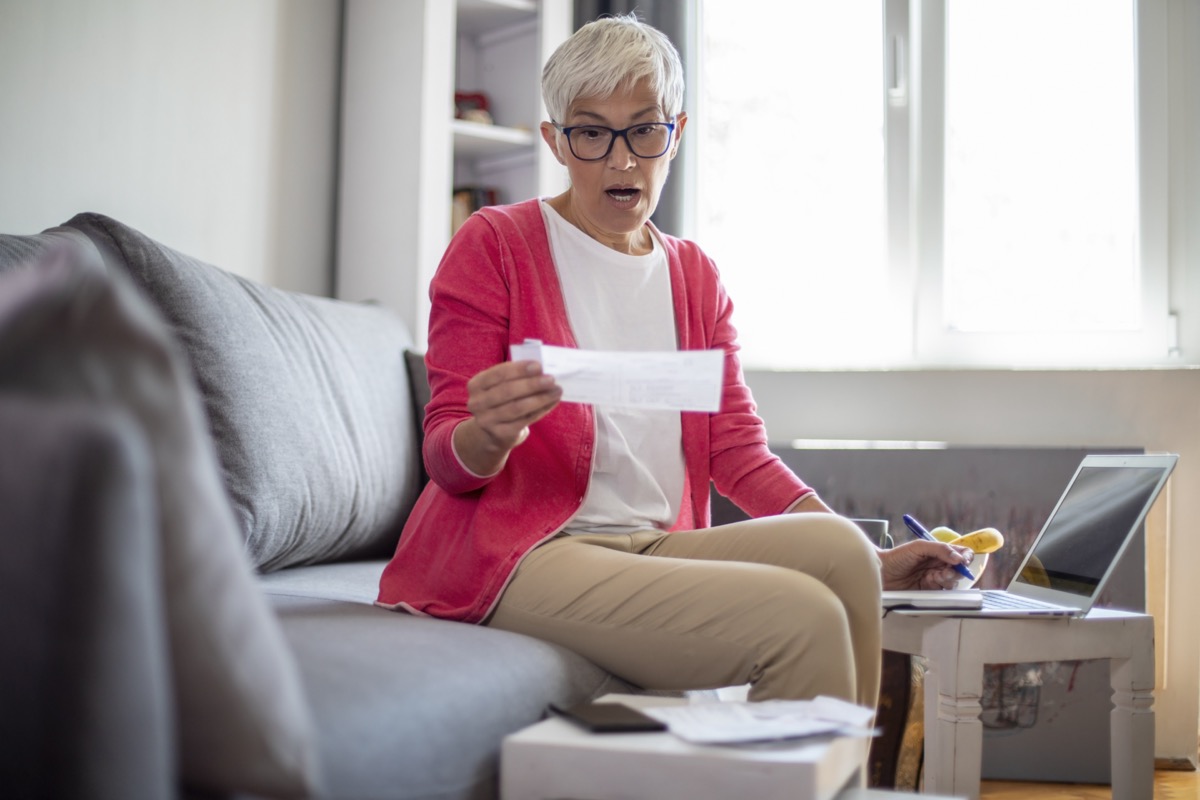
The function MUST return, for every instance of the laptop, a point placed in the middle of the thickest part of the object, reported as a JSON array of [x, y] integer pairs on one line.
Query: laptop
[[1066, 569]]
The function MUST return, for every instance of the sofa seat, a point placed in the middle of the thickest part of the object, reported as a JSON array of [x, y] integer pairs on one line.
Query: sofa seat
[[414, 707]]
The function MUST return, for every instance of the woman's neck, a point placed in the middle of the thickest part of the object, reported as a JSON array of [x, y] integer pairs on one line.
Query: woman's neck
[[635, 243]]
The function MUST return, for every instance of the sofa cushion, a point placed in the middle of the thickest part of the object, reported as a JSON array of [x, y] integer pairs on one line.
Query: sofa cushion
[[308, 400], [26, 252], [68, 332], [418, 376], [415, 707], [351, 581], [418, 381], [84, 686]]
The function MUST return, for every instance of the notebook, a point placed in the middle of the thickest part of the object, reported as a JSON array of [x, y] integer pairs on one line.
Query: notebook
[[1096, 518]]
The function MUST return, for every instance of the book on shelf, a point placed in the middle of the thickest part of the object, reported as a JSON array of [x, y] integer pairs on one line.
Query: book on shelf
[[467, 200]]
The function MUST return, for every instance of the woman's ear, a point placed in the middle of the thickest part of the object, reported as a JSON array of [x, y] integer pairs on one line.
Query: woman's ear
[[680, 122], [550, 136]]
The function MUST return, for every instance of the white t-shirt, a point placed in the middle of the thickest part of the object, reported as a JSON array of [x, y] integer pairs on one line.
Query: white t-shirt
[[622, 302]]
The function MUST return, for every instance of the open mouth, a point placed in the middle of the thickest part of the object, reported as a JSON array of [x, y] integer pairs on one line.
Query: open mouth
[[624, 194]]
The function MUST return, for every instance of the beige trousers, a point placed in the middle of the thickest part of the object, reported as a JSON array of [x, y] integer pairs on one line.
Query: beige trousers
[[788, 604]]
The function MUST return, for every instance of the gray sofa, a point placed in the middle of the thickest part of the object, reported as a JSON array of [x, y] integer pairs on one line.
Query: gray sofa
[[200, 480]]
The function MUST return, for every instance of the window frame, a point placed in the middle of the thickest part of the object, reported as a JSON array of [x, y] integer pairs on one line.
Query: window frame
[[913, 92], [935, 343]]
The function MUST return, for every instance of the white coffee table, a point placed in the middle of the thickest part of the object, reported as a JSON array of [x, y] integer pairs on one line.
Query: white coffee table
[[557, 759]]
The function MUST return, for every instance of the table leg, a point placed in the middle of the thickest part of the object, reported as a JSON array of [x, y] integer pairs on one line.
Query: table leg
[[953, 730], [1132, 725]]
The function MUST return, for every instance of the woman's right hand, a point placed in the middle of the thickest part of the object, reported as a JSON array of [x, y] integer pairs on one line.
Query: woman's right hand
[[504, 400]]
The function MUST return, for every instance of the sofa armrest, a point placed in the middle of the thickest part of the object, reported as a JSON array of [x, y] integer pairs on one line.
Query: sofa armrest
[[84, 681]]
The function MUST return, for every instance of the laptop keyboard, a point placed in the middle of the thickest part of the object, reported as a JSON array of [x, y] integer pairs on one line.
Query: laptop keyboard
[[1001, 600]]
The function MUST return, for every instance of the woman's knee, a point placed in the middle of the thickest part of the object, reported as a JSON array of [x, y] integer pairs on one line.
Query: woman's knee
[[840, 543], [838, 532]]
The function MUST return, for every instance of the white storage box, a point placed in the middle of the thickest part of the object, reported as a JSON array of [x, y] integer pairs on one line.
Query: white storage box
[[558, 759]]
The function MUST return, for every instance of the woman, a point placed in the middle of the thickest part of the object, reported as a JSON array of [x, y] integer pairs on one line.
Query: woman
[[588, 526]]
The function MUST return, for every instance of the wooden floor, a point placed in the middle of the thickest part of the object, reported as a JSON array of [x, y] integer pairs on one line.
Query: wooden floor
[[1168, 785]]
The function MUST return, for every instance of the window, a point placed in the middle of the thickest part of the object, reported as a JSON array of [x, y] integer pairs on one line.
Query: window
[[950, 183], [1040, 181], [791, 199]]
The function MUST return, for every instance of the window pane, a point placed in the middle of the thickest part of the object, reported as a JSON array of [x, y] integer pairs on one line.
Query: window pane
[[791, 178], [1041, 212]]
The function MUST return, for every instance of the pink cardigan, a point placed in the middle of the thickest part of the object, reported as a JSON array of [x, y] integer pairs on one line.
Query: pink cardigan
[[497, 285]]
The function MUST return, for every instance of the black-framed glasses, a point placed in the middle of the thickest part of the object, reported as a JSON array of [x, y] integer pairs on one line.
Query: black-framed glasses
[[595, 142]]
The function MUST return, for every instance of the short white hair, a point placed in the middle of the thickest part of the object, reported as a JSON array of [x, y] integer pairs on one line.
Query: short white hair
[[610, 53]]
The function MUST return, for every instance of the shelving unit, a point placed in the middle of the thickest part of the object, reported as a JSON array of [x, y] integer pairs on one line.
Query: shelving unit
[[477, 17], [497, 41], [474, 140], [403, 150]]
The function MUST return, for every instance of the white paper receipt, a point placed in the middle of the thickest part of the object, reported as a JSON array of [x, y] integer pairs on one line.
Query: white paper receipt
[[683, 380], [733, 723]]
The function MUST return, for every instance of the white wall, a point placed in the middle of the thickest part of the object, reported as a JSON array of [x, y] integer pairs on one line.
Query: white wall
[[210, 126]]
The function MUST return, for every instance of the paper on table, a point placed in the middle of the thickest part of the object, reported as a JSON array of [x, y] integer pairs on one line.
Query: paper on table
[[682, 380], [733, 723]]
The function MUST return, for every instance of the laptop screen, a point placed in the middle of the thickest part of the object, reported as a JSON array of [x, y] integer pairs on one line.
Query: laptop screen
[[1086, 533]]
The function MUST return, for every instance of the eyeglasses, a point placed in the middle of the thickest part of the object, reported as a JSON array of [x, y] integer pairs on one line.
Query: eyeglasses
[[595, 142]]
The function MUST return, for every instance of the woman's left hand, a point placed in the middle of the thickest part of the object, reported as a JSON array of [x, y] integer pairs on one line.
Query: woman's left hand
[[923, 565]]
